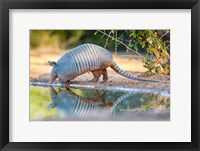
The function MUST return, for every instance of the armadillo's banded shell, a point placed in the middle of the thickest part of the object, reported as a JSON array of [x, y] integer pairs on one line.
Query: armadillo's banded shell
[[85, 58], [86, 109]]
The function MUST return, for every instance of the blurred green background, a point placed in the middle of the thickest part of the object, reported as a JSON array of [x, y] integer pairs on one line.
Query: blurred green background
[[55, 40]]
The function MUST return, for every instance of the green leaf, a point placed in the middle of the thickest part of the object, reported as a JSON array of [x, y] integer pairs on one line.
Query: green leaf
[[143, 44], [135, 47], [162, 54], [131, 45], [154, 42], [133, 34]]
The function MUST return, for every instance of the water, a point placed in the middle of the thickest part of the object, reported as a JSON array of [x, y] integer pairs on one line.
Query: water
[[64, 104]]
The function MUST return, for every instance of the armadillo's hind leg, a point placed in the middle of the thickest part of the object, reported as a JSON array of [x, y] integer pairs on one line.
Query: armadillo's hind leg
[[105, 75], [96, 74]]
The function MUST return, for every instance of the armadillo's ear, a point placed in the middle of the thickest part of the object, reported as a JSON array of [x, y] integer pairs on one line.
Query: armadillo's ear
[[52, 63]]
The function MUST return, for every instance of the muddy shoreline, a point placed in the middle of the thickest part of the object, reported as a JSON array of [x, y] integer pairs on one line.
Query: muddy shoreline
[[115, 80]]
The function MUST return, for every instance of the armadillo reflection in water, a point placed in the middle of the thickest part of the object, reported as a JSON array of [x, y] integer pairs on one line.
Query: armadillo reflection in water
[[70, 105]]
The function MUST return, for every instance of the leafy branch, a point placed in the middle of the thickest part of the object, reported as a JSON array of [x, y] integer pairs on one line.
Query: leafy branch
[[117, 40], [155, 43]]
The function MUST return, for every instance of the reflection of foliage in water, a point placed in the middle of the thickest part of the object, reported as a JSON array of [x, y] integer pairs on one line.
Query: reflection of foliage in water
[[144, 103], [39, 101], [154, 102]]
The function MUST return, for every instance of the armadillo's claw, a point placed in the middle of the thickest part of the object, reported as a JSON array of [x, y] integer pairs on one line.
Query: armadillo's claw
[[66, 83]]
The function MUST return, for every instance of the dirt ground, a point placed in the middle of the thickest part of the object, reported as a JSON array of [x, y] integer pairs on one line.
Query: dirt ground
[[40, 71]]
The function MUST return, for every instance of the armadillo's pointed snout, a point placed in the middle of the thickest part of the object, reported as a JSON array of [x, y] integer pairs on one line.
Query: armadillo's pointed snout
[[53, 78]]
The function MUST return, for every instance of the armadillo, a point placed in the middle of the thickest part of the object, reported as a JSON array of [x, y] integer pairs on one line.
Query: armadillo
[[86, 58]]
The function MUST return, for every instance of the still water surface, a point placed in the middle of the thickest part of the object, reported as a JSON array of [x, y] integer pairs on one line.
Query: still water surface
[[62, 104]]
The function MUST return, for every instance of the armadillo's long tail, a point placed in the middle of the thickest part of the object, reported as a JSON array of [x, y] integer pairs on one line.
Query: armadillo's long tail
[[116, 68]]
